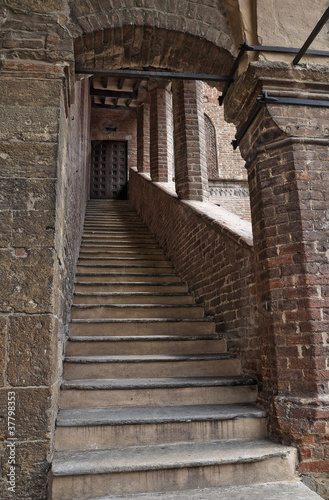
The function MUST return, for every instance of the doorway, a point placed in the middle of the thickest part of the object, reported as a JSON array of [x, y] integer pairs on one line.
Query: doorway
[[108, 170]]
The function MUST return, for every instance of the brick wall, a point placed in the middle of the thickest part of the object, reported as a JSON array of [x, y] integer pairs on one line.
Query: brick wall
[[215, 261], [228, 187], [286, 148], [230, 163]]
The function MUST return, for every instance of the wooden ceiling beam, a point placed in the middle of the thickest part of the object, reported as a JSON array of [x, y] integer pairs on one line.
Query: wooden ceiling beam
[[119, 94], [121, 83]]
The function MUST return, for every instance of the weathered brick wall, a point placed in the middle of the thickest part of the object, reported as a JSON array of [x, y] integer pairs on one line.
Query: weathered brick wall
[[215, 261], [229, 187], [230, 163], [191, 175], [72, 192], [286, 149]]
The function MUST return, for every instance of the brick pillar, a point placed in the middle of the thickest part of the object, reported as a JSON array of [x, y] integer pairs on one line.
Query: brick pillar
[[286, 149], [143, 137], [159, 126], [189, 140]]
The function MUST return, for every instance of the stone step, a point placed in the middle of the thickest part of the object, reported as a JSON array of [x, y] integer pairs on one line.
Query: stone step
[[122, 246], [114, 234], [151, 326], [132, 228], [102, 428], [105, 222], [124, 260], [165, 344], [151, 365], [103, 298], [151, 253], [157, 392], [130, 287], [116, 238], [129, 275], [288, 490], [126, 269], [81, 474], [114, 311]]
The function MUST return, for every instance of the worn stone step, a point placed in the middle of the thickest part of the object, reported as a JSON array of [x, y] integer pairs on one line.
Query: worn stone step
[[129, 275], [288, 490], [179, 466], [133, 229], [103, 298], [151, 326], [123, 234], [165, 344], [157, 392], [124, 260], [150, 253], [130, 287], [106, 222], [119, 246], [151, 365], [113, 311], [126, 269], [101, 428], [118, 238]]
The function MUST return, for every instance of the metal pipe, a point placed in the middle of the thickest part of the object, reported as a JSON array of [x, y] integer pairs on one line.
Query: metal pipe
[[310, 39], [131, 73]]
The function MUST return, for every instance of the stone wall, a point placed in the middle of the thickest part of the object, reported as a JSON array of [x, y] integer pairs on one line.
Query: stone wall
[[29, 135], [41, 221], [212, 251]]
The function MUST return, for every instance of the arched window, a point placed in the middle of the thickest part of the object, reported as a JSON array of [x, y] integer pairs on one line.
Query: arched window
[[211, 149]]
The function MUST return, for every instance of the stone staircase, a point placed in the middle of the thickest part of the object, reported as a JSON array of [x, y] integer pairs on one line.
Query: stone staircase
[[152, 405]]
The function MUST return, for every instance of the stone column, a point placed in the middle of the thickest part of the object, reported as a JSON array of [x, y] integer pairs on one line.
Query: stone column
[[36, 256], [189, 140], [159, 126], [143, 137], [287, 153]]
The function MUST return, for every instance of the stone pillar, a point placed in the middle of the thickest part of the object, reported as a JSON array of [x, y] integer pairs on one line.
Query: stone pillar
[[287, 153], [189, 140], [159, 126], [143, 137], [36, 258]]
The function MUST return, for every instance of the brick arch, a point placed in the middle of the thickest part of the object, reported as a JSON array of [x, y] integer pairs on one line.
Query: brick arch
[[131, 46], [204, 19]]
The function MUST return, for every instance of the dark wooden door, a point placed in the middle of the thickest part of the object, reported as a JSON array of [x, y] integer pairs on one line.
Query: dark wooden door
[[108, 170]]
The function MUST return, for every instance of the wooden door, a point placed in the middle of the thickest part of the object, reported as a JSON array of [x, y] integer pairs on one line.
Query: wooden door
[[108, 170]]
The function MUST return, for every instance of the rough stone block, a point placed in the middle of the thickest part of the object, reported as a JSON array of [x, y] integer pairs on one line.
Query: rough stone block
[[28, 160], [3, 344], [36, 124], [19, 92], [32, 465], [32, 407], [26, 280], [33, 228], [31, 348], [30, 194], [6, 220]]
